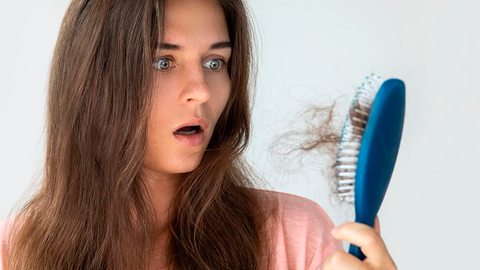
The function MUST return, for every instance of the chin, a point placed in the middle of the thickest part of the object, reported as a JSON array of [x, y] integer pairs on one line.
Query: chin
[[175, 166], [189, 164]]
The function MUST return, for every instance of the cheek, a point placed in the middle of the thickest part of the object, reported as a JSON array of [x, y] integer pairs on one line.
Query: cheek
[[226, 95], [163, 106], [221, 91], [156, 130], [162, 155]]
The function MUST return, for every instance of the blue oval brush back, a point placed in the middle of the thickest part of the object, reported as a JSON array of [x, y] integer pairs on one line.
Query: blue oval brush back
[[378, 153], [369, 146]]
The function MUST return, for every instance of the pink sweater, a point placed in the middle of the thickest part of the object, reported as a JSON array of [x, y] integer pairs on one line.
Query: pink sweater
[[303, 236], [304, 240]]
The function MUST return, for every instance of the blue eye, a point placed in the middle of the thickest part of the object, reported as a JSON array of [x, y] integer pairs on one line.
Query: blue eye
[[215, 66], [160, 64]]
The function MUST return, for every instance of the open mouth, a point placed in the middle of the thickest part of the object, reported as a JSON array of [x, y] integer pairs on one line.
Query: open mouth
[[188, 130]]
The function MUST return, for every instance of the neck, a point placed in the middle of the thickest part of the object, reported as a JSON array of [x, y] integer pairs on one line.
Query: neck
[[163, 188]]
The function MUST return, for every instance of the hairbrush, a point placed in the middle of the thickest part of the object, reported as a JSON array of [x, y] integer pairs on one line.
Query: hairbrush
[[368, 148]]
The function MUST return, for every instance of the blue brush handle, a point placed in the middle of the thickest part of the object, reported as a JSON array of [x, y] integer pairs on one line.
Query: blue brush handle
[[378, 153]]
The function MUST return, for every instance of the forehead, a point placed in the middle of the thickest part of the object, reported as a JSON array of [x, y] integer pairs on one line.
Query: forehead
[[194, 19]]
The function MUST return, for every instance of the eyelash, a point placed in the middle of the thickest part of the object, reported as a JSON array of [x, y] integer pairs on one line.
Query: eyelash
[[223, 63]]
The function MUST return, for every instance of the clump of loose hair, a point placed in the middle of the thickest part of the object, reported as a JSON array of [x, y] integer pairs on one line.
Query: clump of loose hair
[[93, 210], [320, 136]]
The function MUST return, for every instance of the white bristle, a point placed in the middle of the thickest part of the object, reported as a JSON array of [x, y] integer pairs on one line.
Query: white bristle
[[344, 188], [365, 104], [359, 129], [351, 193], [346, 174], [348, 159], [346, 181], [346, 167], [350, 151], [351, 138], [351, 144], [361, 112], [359, 120]]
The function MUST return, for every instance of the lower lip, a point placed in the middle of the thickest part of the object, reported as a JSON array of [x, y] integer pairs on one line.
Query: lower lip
[[190, 140]]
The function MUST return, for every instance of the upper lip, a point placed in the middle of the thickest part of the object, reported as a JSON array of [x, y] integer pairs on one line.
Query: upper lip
[[202, 122]]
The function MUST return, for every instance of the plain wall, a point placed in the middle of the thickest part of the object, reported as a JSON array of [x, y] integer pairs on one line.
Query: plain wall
[[311, 52]]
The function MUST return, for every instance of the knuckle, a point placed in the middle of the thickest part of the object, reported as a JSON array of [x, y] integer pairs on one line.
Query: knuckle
[[345, 225], [336, 258], [373, 240]]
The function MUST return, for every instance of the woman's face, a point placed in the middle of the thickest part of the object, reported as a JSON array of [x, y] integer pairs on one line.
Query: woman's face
[[191, 81]]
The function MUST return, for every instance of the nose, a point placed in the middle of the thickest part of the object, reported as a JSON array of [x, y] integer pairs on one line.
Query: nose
[[196, 88]]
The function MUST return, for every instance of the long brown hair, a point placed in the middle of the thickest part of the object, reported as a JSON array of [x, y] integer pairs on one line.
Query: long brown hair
[[93, 210]]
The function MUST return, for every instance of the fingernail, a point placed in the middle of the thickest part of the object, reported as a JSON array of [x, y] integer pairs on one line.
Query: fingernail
[[334, 230]]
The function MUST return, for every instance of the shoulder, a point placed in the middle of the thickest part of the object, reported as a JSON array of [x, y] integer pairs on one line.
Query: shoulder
[[300, 211], [303, 232]]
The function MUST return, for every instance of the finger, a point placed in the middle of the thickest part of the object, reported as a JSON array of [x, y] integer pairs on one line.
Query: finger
[[366, 238], [342, 260], [376, 225]]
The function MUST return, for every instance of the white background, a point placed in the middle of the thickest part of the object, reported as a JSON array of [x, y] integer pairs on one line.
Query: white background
[[311, 52]]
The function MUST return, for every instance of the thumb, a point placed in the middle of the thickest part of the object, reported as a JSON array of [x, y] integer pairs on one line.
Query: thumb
[[376, 225]]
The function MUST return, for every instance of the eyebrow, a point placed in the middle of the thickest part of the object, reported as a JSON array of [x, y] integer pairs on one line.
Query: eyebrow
[[174, 47]]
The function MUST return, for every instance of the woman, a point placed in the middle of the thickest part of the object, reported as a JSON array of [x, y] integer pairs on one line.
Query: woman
[[148, 118]]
